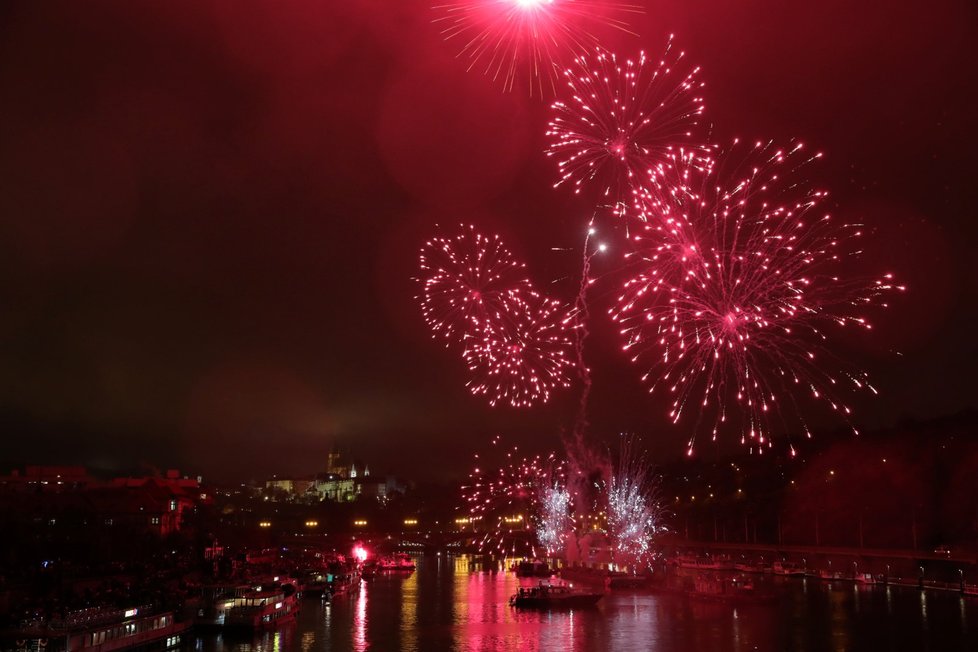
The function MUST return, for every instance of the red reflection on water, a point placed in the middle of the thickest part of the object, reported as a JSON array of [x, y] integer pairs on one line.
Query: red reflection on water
[[485, 621], [360, 620]]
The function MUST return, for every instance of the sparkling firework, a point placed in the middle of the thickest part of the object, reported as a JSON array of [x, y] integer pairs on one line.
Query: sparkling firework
[[634, 511], [501, 498], [736, 279], [521, 353], [554, 522], [504, 36], [465, 280], [622, 117]]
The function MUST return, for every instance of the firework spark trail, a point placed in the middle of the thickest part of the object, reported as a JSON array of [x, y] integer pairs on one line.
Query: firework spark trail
[[735, 280], [588, 472], [635, 514], [581, 315], [505, 36], [621, 118]]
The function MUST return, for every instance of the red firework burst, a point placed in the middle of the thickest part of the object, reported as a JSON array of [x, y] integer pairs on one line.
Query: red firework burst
[[736, 283], [622, 117], [515, 342], [465, 279], [522, 353], [501, 500], [504, 37]]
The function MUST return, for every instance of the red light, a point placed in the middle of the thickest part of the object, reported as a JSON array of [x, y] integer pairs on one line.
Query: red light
[[360, 553]]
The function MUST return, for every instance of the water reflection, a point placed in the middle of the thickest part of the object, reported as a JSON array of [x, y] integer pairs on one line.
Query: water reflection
[[360, 620], [450, 604], [409, 613]]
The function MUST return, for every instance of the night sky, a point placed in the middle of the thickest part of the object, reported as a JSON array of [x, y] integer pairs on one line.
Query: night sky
[[210, 216]]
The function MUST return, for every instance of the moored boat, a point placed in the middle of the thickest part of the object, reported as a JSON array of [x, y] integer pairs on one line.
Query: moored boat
[[788, 569], [705, 563], [264, 607], [398, 562], [215, 600], [747, 567], [532, 568], [315, 584], [102, 630], [734, 590]]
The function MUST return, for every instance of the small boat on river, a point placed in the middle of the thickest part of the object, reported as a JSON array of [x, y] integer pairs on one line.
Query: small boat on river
[[553, 596]]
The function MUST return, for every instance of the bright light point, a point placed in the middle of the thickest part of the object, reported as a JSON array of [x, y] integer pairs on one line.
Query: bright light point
[[602, 247]]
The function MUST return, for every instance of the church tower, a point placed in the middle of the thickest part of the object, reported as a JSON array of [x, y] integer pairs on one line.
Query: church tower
[[333, 464]]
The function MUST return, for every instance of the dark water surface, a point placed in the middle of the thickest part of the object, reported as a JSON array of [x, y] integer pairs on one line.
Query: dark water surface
[[445, 606]]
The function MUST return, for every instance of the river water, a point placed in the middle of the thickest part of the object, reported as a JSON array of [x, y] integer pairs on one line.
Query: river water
[[446, 606]]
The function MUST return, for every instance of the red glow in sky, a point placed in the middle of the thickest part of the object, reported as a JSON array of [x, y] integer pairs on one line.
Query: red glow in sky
[[210, 215]]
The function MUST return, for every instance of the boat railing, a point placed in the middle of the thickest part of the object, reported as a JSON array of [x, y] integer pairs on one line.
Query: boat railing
[[91, 616]]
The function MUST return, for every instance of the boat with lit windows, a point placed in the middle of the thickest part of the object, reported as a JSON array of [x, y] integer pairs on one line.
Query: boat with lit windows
[[263, 607], [553, 596], [101, 629], [215, 600], [315, 583]]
